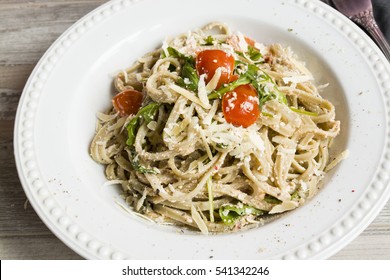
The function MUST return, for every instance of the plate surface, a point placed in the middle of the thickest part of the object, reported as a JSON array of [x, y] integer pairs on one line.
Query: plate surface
[[73, 80]]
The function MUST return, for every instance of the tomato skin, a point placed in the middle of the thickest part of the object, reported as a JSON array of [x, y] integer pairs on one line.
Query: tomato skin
[[208, 61], [241, 106], [128, 102], [250, 41]]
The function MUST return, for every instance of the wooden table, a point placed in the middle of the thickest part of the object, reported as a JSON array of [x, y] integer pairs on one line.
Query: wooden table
[[27, 29]]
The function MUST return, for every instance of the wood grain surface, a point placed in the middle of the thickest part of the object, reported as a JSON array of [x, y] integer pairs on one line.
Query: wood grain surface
[[27, 29]]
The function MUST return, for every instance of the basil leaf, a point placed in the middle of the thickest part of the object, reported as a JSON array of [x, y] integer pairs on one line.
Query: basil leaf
[[230, 213], [146, 113]]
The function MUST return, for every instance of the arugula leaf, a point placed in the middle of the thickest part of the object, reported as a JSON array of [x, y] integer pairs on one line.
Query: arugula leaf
[[230, 213], [254, 54], [244, 79], [281, 96], [259, 82], [138, 167], [132, 128], [304, 112], [175, 53], [189, 72], [189, 77], [240, 54], [237, 62], [146, 113], [267, 114], [265, 94]]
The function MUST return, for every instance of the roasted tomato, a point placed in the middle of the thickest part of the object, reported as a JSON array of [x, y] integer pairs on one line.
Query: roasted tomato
[[208, 61], [241, 106], [128, 102]]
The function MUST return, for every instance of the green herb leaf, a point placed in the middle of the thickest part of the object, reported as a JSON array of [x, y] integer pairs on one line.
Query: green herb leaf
[[267, 114], [295, 195], [281, 96], [254, 54], [231, 213], [189, 72], [209, 41], [244, 79], [189, 77], [138, 167], [304, 112], [222, 145], [175, 53], [219, 93], [259, 81], [146, 113], [132, 128], [271, 199]]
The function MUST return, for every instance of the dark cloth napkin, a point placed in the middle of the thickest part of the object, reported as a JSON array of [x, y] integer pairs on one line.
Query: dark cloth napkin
[[382, 16], [381, 10]]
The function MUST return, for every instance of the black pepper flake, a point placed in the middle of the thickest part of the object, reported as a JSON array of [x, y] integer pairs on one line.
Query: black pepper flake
[[339, 199], [211, 257]]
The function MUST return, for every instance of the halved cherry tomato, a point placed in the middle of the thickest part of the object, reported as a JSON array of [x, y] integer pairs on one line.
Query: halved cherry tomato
[[128, 102], [241, 106], [208, 61]]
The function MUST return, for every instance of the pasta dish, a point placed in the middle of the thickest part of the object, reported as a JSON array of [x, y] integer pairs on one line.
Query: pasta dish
[[215, 131]]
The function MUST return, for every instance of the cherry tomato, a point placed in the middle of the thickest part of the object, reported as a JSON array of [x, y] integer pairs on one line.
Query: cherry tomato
[[128, 102], [250, 41], [208, 61], [241, 106], [234, 42]]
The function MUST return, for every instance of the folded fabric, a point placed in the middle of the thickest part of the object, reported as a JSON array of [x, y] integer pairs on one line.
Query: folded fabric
[[382, 16], [381, 10]]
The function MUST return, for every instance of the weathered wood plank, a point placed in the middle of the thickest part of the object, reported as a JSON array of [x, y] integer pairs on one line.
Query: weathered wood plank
[[9, 100], [14, 76], [366, 247], [35, 248], [24, 43]]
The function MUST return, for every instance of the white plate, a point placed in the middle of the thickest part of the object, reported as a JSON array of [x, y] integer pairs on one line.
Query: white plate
[[57, 113]]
